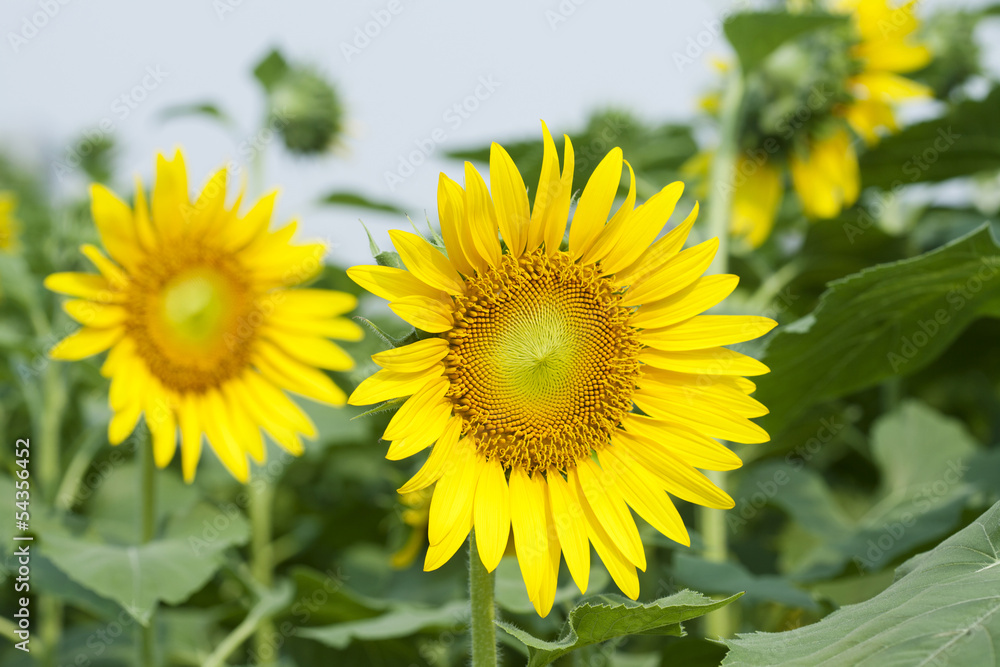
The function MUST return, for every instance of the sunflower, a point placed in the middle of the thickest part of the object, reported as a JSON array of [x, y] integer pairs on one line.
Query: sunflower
[[194, 302], [559, 384], [10, 227], [822, 159]]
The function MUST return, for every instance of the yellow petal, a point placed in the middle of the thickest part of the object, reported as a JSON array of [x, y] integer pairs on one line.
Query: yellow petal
[[171, 202], [633, 235], [618, 566], [392, 283], [453, 494], [427, 262], [86, 342], [604, 497], [701, 295], [440, 553], [701, 416], [440, 458], [454, 230], [215, 417], [481, 217], [689, 446], [679, 478], [289, 374], [552, 197], [658, 254], [424, 313], [571, 526], [162, 426], [94, 314], [274, 402], [510, 200], [710, 361], [756, 196], [595, 203], [190, 429], [649, 502], [313, 303], [83, 285], [310, 350], [492, 513], [253, 225], [413, 357], [113, 219], [410, 418], [675, 275], [527, 518], [706, 331]]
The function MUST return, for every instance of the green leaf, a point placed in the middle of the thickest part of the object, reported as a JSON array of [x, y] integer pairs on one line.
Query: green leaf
[[755, 35], [942, 609], [891, 319], [728, 578], [610, 616], [206, 109], [964, 141], [402, 621], [345, 198], [167, 570], [271, 69], [923, 458]]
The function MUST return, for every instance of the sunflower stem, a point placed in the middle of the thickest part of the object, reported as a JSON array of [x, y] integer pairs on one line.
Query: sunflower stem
[[721, 623], [147, 530], [483, 629], [262, 557]]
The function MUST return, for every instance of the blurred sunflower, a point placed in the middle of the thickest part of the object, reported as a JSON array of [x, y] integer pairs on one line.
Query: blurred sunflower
[[10, 226], [864, 71], [536, 354], [203, 330]]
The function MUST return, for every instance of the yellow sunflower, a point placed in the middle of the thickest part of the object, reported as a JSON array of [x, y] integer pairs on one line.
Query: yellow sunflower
[[204, 331], [824, 163], [560, 384], [10, 227]]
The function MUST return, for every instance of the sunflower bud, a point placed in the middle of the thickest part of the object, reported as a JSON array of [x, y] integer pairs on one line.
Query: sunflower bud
[[307, 109]]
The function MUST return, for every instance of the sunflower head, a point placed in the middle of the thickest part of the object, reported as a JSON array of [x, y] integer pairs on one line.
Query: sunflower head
[[195, 303], [10, 226], [560, 380]]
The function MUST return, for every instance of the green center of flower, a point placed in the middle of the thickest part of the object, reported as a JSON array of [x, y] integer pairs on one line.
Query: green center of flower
[[196, 305], [534, 355]]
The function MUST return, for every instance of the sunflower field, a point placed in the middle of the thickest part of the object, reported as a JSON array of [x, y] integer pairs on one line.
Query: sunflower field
[[719, 387]]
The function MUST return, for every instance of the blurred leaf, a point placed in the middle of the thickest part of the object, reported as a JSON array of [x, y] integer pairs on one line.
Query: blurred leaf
[[729, 578], [887, 320], [402, 621], [322, 598], [168, 569], [345, 198], [923, 459], [964, 141], [271, 69], [755, 35], [610, 616], [942, 608], [206, 109]]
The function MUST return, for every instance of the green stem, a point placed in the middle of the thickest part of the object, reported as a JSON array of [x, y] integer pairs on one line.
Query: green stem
[[262, 555], [721, 623], [147, 531], [483, 629]]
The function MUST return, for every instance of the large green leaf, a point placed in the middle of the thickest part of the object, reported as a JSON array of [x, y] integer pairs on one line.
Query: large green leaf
[[168, 569], [942, 609], [964, 141], [891, 319], [755, 35], [610, 616], [923, 458]]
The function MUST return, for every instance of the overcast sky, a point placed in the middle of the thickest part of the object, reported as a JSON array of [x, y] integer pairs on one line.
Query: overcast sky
[[117, 64]]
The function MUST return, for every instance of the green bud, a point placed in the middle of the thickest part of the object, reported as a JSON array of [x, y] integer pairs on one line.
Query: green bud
[[307, 110]]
